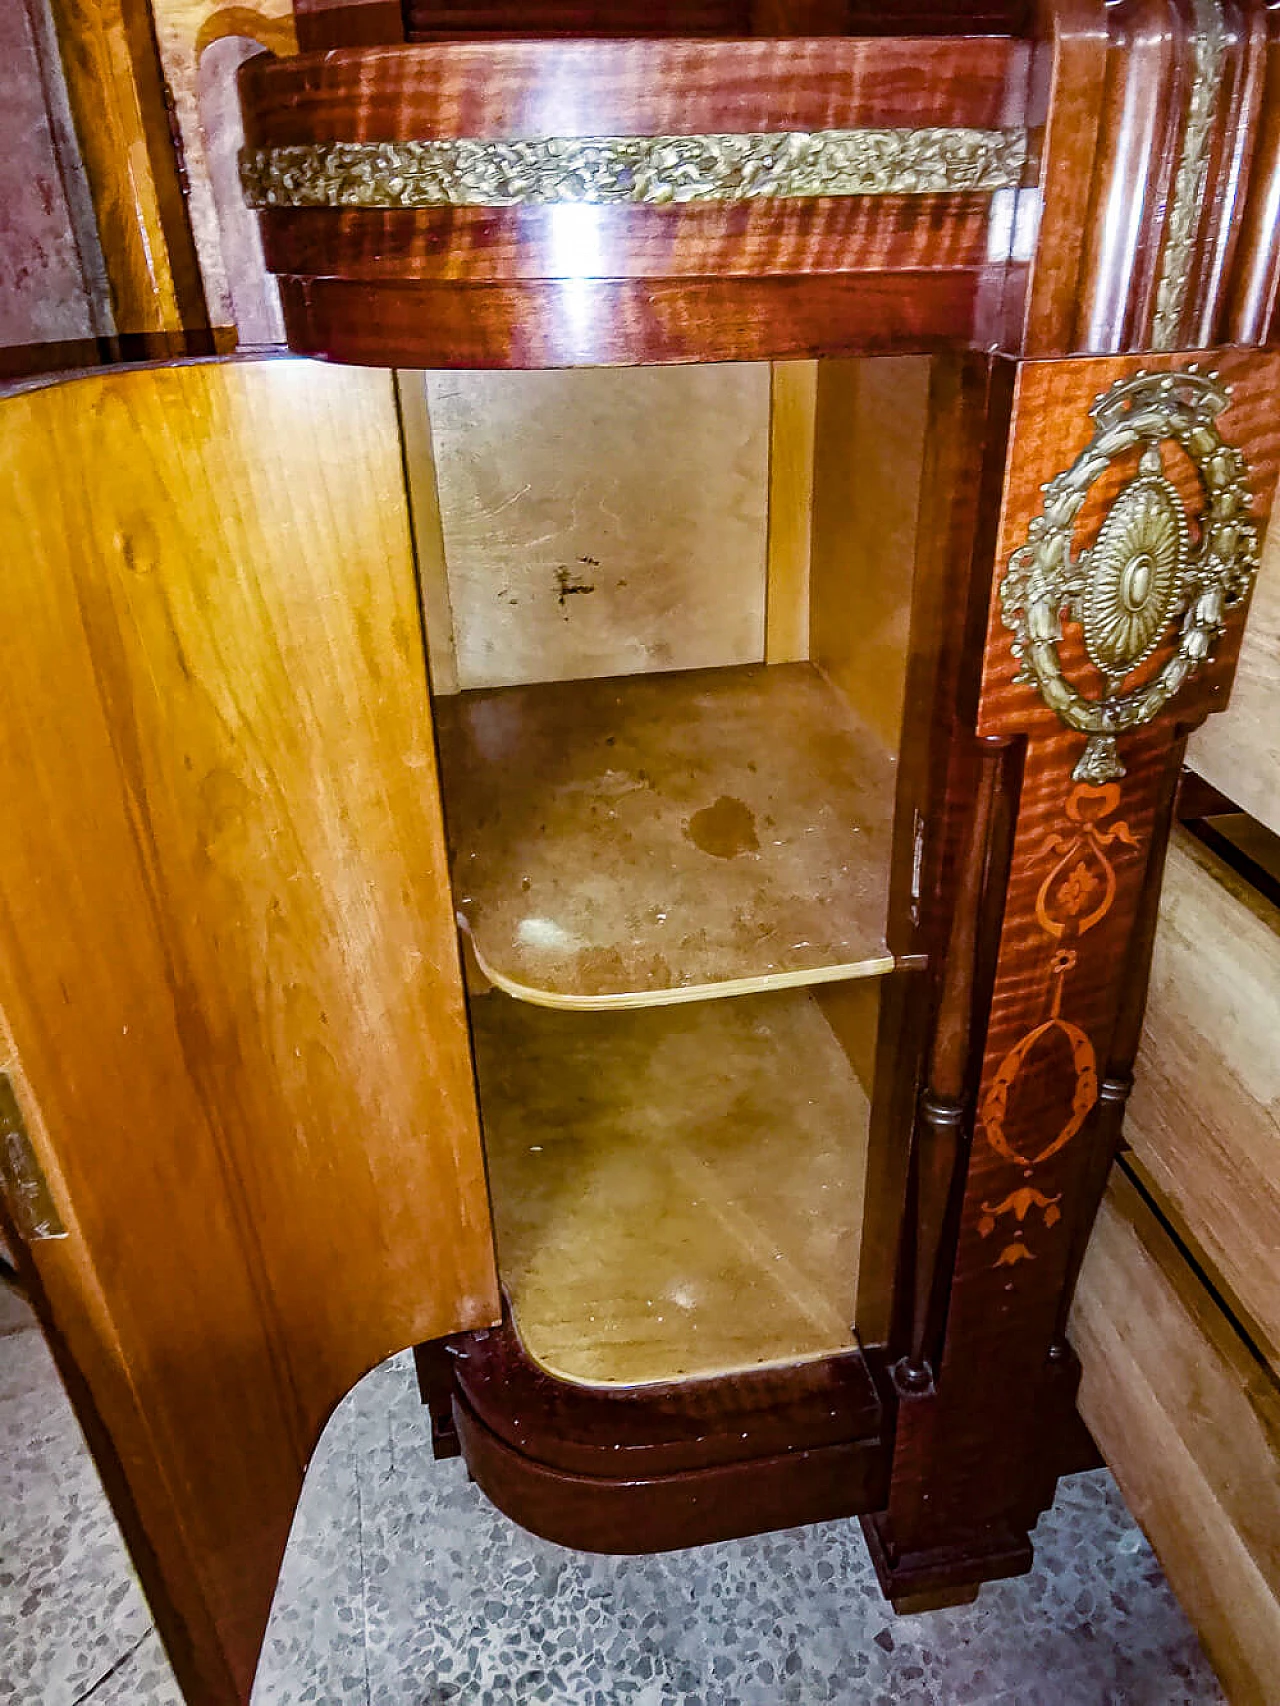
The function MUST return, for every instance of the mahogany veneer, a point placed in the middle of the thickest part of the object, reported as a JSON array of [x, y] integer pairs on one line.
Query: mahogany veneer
[[656, 1467], [580, 285]]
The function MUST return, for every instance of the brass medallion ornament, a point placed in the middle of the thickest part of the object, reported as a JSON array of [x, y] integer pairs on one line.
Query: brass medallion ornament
[[1142, 574], [1134, 571]]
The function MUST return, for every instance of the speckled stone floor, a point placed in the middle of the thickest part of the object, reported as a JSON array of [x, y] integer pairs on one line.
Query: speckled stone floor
[[403, 1587]]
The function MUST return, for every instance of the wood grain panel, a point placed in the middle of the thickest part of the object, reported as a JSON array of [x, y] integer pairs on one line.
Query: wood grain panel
[[1239, 752], [1203, 1120], [480, 245], [226, 942], [1190, 1424], [583, 323], [869, 446], [602, 523], [792, 407], [509, 89]]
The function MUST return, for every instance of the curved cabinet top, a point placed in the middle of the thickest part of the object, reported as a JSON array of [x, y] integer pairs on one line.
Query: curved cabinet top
[[1106, 185]]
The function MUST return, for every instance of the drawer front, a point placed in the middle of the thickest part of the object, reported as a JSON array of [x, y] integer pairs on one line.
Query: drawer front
[[1204, 1118], [1189, 1422]]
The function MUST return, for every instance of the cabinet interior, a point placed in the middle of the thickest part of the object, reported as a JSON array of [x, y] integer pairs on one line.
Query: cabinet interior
[[667, 615]]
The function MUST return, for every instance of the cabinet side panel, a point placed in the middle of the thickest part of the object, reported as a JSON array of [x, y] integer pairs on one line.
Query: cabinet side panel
[[227, 954]]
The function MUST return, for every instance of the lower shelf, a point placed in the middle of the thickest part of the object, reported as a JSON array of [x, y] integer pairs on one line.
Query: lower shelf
[[677, 1192]]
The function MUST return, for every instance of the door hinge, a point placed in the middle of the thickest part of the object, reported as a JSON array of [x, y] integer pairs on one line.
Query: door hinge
[[34, 1211]]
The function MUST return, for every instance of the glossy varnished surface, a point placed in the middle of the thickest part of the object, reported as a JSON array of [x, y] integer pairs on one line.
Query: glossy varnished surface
[[645, 839], [1055, 1053], [509, 89], [877, 234], [662, 1428], [675, 1193], [581, 285], [579, 323]]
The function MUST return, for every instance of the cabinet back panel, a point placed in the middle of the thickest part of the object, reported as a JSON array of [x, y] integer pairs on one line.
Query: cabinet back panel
[[601, 522]]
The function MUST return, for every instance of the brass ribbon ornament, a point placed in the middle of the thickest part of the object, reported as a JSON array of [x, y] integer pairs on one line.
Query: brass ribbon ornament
[[1142, 573]]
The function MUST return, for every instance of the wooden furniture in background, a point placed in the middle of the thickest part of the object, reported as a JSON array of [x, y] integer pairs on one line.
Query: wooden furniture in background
[[117, 96], [1177, 1314], [1190, 1422]]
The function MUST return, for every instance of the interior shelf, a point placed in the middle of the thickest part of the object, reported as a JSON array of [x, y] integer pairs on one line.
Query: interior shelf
[[675, 1193], [649, 839]]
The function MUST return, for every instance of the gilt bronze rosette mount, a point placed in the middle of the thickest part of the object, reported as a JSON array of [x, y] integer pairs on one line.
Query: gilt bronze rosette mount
[[1154, 577]]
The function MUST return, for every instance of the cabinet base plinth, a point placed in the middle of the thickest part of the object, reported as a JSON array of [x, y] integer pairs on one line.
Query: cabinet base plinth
[[655, 1468]]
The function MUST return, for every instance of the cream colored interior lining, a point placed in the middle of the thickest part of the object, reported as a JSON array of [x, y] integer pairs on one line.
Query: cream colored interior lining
[[676, 1192]]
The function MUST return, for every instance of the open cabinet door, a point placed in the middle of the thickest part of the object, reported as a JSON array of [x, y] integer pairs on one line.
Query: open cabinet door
[[228, 965]]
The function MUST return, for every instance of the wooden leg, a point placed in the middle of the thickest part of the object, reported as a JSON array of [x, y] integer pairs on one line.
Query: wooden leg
[[434, 1363]]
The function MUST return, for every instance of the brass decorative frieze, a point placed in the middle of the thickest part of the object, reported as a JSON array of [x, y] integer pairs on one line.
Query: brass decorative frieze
[[1209, 54], [649, 170], [1142, 573]]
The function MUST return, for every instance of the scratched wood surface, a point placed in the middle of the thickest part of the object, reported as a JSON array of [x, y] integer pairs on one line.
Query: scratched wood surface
[[227, 951], [626, 1153], [602, 523], [658, 838]]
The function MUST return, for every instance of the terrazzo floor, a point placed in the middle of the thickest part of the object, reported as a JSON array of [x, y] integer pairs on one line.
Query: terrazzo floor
[[403, 1587]]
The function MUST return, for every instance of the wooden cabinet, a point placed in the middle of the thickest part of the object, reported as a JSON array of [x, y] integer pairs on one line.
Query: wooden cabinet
[[765, 901]]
